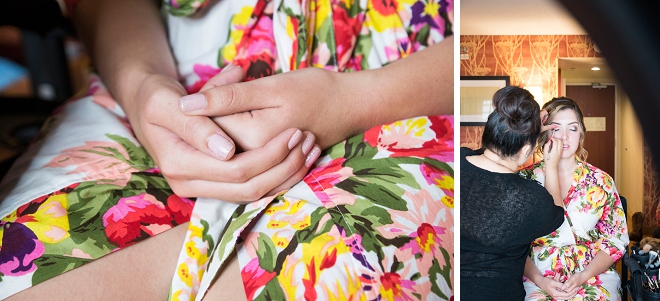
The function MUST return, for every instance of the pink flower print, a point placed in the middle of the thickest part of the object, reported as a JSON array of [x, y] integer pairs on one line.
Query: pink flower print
[[393, 287], [420, 137], [262, 37], [392, 279], [323, 179], [104, 162], [135, 218], [440, 178], [427, 223], [19, 248], [255, 278], [426, 239], [204, 72]]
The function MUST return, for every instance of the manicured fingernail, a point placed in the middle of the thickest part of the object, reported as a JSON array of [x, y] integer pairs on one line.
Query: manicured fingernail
[[228, 67], [313, 155], [308, 143], [297, 136], [192, 102], [220, 146]]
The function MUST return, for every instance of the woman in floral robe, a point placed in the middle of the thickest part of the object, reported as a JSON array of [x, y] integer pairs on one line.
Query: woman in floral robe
[[372, 219], [578, 257]]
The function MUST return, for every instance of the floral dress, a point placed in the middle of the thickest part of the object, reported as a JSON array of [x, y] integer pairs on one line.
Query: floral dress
[[372, 220], [594, 222]]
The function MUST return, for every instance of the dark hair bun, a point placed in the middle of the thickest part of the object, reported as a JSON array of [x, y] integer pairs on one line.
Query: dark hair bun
[[514, 123], [517, 107]]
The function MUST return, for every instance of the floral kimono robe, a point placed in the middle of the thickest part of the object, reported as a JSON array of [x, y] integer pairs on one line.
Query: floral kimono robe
[[372, 220], [594, 222]]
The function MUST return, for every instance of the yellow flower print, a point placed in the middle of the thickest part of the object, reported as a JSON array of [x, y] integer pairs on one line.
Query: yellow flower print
[[184, 274], [279, 241], [302, 224], [282, 205], [382, 15], [195, 231], [275, 224], [448, 201], [50, 222], [595, 196], [304, 270], [322, 9], [431, 9], [238, 24], [445, 182], [296, 206]]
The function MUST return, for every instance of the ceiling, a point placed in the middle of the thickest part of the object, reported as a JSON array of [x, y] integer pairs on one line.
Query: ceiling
[[530, 17]]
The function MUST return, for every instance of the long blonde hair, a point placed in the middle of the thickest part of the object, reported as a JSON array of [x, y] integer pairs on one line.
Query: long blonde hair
[[554, 106]]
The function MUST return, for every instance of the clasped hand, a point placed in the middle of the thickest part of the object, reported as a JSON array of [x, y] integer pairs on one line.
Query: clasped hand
[[198, 158], [558, 290]]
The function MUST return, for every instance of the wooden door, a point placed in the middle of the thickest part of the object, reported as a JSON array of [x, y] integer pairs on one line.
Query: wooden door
[[597, 102]]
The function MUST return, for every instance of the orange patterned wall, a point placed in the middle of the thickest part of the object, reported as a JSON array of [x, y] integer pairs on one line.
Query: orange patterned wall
[[528, 60]]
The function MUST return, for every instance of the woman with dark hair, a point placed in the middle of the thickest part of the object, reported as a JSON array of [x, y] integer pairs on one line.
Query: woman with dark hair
[[501, 213], [582, 252]]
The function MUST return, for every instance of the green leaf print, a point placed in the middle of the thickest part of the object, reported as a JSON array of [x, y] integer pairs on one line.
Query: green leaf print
[[355, 147], [266, 252], [51, 266], [336, 151], [233, 228], [380, 195], [138, 156], [206, 237], [363, 49], [442, 271], [423, 34], [379, 216], [544, 255], [272, 291]]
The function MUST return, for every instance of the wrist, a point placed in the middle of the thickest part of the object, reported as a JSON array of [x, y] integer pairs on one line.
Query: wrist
[[368, 106]]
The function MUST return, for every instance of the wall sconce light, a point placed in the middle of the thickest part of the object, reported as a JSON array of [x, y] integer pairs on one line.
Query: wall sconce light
[[595, 68]]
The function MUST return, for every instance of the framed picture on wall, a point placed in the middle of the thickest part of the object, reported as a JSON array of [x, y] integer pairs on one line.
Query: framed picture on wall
[[477, 97]]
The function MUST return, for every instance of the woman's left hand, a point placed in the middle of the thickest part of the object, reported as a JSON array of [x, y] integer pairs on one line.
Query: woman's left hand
[[575, 281], [311, 99]]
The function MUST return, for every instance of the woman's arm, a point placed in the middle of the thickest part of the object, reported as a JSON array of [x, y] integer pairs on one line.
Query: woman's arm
[[333, 105], [128, 45]]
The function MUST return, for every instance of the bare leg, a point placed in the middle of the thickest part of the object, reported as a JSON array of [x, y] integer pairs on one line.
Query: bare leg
[[143, 271], [229, 285]]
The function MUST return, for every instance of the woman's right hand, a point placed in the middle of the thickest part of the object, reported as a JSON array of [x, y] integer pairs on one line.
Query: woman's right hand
[[553, 288], [195, 165]]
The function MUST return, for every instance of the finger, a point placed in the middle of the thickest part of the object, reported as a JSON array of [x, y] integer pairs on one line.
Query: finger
[[230, 74], [229, 99], [544, 116], [252, 189], [194, 164], [546, 128], [203, 134], [298, 176]]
